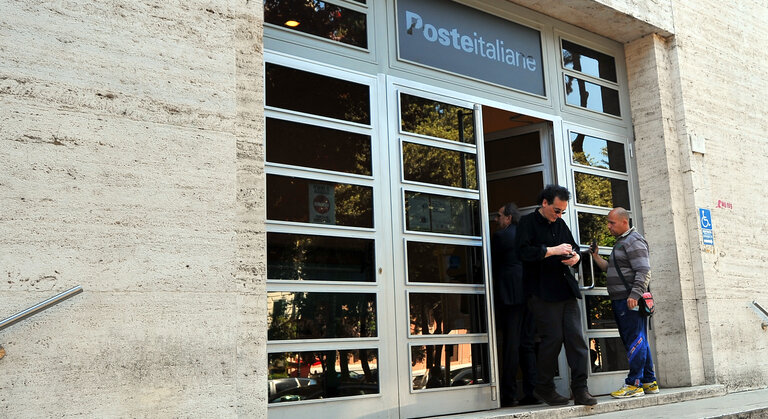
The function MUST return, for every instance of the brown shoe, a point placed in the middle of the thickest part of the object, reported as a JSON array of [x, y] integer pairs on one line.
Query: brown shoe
[[550, 397], [582, 396]]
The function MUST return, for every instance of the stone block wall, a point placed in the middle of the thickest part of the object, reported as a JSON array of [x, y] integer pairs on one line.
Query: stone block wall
[[705, 84], [131, 164]]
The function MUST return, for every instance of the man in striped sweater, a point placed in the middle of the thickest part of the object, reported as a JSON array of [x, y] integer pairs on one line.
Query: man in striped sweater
[[630, 253]]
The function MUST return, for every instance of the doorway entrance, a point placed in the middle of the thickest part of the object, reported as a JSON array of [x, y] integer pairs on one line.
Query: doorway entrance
[[378, 203]]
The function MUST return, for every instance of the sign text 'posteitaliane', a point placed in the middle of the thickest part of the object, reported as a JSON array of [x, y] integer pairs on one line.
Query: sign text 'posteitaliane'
[[456, 38]]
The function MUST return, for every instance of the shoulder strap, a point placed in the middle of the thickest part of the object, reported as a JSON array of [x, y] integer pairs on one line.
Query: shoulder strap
[[618, 270]]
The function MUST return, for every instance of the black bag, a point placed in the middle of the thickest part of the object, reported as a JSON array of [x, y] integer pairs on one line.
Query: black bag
[[645, 302]]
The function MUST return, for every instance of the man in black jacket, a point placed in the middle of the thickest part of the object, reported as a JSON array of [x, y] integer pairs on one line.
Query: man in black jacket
[[547, 249], [514, 320]]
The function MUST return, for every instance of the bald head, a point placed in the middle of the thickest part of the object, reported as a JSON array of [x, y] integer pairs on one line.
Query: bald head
[[618, 221]]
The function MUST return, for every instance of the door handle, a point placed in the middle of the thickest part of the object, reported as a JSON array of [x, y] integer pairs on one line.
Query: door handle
[[591, 271]]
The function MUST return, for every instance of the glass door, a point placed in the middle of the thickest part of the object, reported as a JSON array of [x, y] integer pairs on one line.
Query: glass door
[[330, 333], [598, 167], [445, 352]]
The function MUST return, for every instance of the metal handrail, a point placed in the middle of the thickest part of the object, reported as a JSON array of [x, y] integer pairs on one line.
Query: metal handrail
[[40, 307], [762, 313]]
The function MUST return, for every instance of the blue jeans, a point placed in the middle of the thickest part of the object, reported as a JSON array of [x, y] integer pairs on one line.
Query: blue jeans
[[633, 331]]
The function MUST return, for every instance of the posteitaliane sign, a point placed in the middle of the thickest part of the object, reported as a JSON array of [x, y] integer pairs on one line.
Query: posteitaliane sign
[[456, 38]]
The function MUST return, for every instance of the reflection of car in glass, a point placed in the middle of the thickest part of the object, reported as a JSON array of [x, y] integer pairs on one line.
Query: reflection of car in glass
[[317, 387], [459, 377], [280, 385], [465, 376]]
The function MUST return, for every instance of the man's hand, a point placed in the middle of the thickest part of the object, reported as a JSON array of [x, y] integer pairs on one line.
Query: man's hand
[[631, 303], [573, 260], [564, 249]]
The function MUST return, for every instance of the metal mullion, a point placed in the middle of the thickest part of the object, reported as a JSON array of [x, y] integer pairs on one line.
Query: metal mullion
[[270, 110], [306, 345], [326, 176], [602, 333], [473, 241], [320, 230], [440, 288], [437, 142], [439, 190], [591, 79], [304, 172], [341, 287], [472, 338], [598, 171], [318, 121]]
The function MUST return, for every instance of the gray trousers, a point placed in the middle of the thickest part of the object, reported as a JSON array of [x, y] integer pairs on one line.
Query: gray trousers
[[559, 323]]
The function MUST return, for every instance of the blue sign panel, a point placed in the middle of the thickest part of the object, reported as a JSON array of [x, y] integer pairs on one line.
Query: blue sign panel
[[705, 221], [456, 38]]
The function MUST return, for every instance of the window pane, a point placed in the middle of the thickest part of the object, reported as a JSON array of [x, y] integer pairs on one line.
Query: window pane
[[319, 258], [592, 96], [439, 166], [322, 148], [442, 214], [308, 201], [318, 18], [597, 152], [608, 354], [297, 376], [434, 366], [318, 315], [512, 152], [315, 94], [588, 61], [599, 312], [443, 314], [594, 227], [601, 191], [445, 263], [437, 119], [522, 190]]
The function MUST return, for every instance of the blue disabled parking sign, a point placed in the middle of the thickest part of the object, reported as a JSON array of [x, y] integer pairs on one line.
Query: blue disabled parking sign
[[705, 221]]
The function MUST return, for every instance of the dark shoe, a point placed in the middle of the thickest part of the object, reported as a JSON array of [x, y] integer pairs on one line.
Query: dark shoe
[[551, 397], [528, 400], [582, 396], [509, 402]]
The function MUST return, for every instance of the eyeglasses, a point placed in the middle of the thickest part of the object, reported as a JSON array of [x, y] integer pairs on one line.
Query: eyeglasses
[[558, 211]]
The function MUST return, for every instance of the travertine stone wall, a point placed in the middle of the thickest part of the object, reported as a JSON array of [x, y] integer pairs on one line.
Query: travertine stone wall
[[720, 48], [705, 85], [663, 197], [130, 164]]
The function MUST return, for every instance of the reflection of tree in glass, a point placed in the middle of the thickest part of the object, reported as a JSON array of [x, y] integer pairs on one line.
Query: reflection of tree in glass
[[354, 205], [594, 227], [436, 119], [571, 58], [600, 313], [321, 19], [440, 166], [316, 94]]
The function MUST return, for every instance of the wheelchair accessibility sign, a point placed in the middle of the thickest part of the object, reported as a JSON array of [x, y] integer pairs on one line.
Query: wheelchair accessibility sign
[[705, 221]]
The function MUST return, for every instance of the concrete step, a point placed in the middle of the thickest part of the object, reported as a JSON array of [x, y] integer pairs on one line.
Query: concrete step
[[711, 401]]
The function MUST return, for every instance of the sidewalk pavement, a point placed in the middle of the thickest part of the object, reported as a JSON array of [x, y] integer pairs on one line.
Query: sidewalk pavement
[[710, 401]]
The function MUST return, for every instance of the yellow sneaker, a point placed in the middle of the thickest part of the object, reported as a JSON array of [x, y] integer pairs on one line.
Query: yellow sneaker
[[651, 388], [628, 391]]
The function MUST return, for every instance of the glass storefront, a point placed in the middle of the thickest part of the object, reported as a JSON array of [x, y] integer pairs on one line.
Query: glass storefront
[[382, 171]]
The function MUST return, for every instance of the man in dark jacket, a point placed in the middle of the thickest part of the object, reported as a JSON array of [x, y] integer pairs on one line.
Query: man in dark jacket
[[547, 248], [512, 315]]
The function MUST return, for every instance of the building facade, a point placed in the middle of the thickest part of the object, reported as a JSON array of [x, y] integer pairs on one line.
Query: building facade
[[271, 217]]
